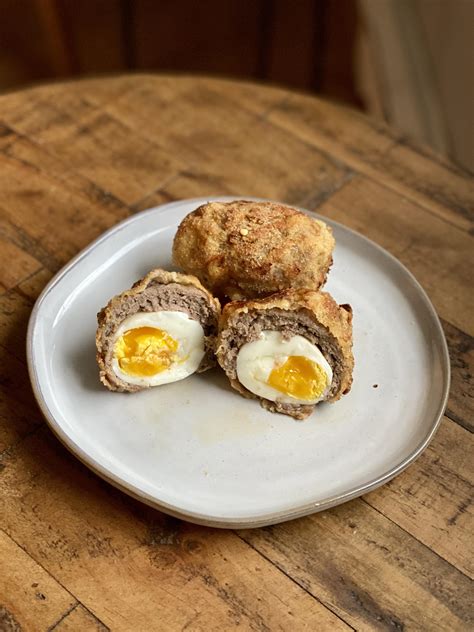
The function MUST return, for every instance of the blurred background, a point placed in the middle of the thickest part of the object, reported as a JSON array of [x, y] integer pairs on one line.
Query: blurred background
[[407, 62]]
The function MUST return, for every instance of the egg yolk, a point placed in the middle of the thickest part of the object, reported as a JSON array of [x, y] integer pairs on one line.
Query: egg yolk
[[145, 351], [299, 377]]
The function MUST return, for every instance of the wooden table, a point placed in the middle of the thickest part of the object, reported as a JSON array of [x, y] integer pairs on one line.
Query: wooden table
[[79, 555]]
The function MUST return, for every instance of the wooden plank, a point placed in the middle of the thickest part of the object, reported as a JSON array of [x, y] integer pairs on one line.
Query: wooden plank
[[112, 155], [6, 135], [15, 264], [430, 180], [203, 126], [193, 121], [31, 154], [439, 254], [205, 183], [79, 619], [368, 570], [433, 499], [132, 567], [30, 598], [19, 415], [371, 148], [44, 108], [244, 93], [14, 314], [100, 92], [61, 104], [461, 396], [9, 231], [34, 285], [91, 148], [340, 131], [275, 166], [62, 221], [162, 196]]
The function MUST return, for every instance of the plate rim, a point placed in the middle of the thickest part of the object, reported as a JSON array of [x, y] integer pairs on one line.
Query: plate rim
[[206, 519]]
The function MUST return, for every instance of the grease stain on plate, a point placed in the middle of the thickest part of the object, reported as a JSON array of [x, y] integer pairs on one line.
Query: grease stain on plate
[[210, 430]]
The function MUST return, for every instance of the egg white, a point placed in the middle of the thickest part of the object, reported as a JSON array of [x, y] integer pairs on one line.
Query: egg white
[[187, 332], [257, 359]]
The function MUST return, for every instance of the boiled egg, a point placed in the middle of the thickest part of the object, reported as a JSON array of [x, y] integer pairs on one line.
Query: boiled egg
[[153, 348], [291, 371]]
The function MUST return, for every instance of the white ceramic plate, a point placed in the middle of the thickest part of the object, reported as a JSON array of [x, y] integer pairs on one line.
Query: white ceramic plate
[[196, 449]]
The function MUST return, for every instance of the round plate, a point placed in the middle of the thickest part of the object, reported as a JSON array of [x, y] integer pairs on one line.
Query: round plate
[[196, 449]]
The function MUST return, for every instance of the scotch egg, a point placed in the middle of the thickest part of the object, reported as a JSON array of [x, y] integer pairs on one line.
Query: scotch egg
[[289, 350], [161, 330], [291, 370], [153, 348]]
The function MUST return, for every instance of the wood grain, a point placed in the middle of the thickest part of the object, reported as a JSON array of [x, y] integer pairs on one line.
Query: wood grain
[[32, 286], [368, 570], [14, 313], [214, 140], [79, 619], [135, 568], [433, 499], [34, 156], [30, 598], [75, 159], [32, 202], [461, 397], [15, 264], [381, 154], [19, 415]]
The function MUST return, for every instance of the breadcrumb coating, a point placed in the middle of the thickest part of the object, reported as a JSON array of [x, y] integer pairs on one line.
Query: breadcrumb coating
[[246, 249]]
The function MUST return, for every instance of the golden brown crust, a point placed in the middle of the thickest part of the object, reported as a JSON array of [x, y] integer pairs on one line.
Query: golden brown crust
[[246, 249], [104, 317], [323, 309]]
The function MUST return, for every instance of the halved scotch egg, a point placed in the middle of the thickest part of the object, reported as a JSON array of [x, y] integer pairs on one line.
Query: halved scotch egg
[[291, 350], [160, 331]]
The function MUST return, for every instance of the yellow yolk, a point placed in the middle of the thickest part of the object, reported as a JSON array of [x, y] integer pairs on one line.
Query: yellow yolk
[[299, 377], [145, 351]]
